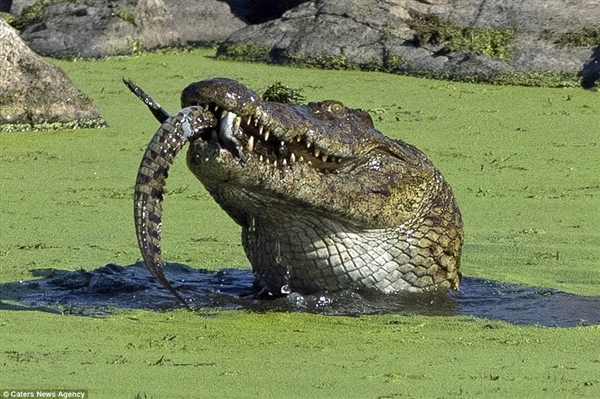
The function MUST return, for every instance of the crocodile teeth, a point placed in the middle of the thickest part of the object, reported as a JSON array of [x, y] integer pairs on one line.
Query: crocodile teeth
[[274, 162], [339, 160], [324, 158], [260, 130], [237, 123], [284, 162], [298, 139], [317, 152], [261, 158], [267, 133], [255, 122], [250, 143], [301, 159], [308, 144], [249, 121], [293, 157]]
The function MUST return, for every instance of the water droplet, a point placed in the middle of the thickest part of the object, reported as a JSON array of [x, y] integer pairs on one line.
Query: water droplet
[[323, 301], [286, 289], [297, 301], [278, 257]]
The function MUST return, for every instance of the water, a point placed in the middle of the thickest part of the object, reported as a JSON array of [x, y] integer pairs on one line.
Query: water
[[100, 291]]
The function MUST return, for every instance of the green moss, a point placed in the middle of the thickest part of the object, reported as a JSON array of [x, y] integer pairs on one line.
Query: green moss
[[95, 123], [392, 63], [538, 79], [586, 37], [178, 354], [431, 29], [9, 18], [530, 79], [322, 61], [243, 52], [253, 53], [277, 92], [137, 47], [338, 62], [125, 16]]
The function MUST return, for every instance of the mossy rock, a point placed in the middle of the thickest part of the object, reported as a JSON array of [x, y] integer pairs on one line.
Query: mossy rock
[[32, 14], [37, 95], [431, 29], [243, 52], [586, 37]]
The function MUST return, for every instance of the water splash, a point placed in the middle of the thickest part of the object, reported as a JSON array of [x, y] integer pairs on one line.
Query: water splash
[[102, 290]]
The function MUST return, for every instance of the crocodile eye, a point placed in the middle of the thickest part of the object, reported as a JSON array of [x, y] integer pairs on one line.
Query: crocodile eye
[[337, 108]]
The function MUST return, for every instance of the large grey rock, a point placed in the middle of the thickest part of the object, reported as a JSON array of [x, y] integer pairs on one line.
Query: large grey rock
[[204, 22], [36, 95], [499, 37], [97, 28]]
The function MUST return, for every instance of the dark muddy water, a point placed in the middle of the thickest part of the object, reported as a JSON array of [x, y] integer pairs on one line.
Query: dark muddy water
[[99, 291]]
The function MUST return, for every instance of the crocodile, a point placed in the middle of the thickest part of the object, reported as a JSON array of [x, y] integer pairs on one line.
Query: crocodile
[[325, 201]]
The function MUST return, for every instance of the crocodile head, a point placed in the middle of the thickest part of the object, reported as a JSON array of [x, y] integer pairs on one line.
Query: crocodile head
[[325, 201]]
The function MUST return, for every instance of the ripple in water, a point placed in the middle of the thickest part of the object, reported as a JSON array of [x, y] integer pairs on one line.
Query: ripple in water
[[99, 291]]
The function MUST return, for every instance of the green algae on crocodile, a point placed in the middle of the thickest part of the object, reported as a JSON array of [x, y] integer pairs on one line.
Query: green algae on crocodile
[[325, 201]]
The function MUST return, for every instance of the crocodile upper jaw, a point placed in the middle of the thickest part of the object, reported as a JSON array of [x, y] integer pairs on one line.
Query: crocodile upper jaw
[[249, 141]]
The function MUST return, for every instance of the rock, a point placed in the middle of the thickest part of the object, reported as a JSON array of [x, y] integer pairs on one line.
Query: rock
[[537, 42], [18, 6], [205, 22], [36, 95], [98, 28], [481, 40]]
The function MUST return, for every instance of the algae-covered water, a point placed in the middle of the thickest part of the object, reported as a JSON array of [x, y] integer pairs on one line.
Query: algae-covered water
[[523, 163]]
